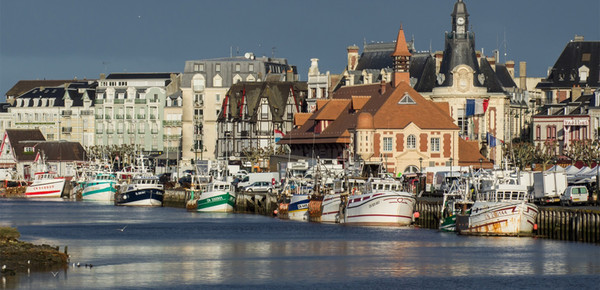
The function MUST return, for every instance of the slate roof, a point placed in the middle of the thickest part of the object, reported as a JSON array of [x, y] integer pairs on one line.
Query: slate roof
[[58, 93], [62, 151], [565, 72], [468, 154], [21, 138], [277, 94], [376, 56], [24, 86]]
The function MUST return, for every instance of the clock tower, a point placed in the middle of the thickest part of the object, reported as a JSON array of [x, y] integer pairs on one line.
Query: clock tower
[[460, 19]]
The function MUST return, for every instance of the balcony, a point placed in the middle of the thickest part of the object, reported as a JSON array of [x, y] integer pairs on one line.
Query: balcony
[[110, 131], [131, 131], [66, 113], [99, 117], [107, 117], [119, 101], [140, 101], [152, 117], [119, 131], [141, 116], [244, 133], [141, 131], [86, 112], [98, 131], [66, 130], [128, 117], [99, 102], [154, 131], [172, 123], [119, 116]]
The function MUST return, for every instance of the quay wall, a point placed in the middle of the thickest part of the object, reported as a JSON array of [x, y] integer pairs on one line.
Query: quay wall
[[557, 223]]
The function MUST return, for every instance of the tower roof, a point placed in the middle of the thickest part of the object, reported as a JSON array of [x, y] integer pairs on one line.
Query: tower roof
[[460, 8], [401, 46]]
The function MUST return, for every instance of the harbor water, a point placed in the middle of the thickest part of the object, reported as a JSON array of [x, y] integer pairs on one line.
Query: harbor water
[[170, 248]]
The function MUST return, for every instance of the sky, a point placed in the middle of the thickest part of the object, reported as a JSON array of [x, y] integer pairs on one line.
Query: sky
[[66, 39]]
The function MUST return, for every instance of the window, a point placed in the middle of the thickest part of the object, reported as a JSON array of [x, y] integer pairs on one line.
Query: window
[[217, 81], [218, 96], [218, 67], [435, 144], [538, 132], [237, 67], [199, 67], [463, 122], [251, 67], [411, 142], [387, 144], [406, 99]]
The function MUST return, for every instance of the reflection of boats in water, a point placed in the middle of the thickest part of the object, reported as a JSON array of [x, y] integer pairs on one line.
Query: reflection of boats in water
[[46, 184], [381, 202], [101, 187], [502, 209], [143, 190]]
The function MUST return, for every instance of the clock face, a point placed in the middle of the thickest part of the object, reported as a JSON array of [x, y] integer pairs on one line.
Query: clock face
[[460, 20]]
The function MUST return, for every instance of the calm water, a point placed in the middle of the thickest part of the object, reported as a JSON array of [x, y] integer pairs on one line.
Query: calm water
[[168, 248]]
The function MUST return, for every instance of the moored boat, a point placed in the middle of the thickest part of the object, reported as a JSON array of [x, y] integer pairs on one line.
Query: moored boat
[[46, 184], [101, 187], [382, 203], [219, 196], [503, 210], [144, 190]]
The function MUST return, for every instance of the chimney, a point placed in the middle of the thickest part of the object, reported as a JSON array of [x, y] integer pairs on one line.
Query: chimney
[[382, 89], [523, 75], [314, 67], [102, 76], [575, 93], [352, 57], [510, 66]]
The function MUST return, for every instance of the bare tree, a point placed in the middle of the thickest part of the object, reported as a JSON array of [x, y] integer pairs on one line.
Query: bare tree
[[546, 152], [586, 151]]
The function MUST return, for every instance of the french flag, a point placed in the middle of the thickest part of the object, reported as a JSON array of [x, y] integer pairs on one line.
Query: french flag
[[278, 135]]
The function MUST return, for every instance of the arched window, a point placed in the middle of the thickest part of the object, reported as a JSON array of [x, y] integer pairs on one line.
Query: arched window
[[411, 142]]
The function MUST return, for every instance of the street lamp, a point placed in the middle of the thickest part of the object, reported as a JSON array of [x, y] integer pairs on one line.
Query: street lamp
[[420, 164], [480, 164], [451, 159]]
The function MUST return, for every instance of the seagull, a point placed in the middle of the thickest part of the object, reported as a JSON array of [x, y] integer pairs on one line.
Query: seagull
[[123, 229], [54, 273]]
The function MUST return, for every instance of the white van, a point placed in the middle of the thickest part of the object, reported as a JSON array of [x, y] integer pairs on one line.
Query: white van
[[575, 194]]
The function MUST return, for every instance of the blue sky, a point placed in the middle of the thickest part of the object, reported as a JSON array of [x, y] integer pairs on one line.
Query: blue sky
[[63, 39]]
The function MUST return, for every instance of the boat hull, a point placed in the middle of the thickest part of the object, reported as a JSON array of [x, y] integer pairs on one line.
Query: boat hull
[[141, 197], [331, 209], [499, 219], [216, 201], [298, 208], [104, 191], [46, 189], [380, 209]]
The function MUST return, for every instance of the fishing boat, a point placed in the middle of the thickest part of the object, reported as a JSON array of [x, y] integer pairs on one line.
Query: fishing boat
[[219, 196], [456, 200], [143, 190], [502, 209], [101, 187], [294, 199], [381, 202], [46, 184]]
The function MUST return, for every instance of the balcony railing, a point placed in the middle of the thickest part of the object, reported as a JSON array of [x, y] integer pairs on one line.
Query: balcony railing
[[99, 117], [110, 131], [131, 131], [119, 131], [66, 130], [99, 102], [171, 123], [141, 131], [67, 113], [154, 131], [119, 116], [141, 116], [128, 117], [86, 112], [152, 117], [140, 101], [107, 117], [119, 101]]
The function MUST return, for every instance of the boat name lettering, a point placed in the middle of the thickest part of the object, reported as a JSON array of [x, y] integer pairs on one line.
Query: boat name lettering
[[303, 206], [374, 204]]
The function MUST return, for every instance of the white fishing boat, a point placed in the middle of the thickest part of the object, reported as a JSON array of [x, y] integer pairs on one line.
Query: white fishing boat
[[382, 202], [456, 200], [219, 196], [46, 184], [143, 190], [502, 209], [102, 187]]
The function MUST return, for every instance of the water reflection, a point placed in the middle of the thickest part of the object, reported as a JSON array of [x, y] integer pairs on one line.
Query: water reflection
[[170, 248]]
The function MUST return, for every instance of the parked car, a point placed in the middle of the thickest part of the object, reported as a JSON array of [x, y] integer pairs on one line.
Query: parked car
[[575, 194], [259, 186]]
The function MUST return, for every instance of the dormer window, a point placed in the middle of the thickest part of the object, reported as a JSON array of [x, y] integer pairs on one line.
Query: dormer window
[[406, 100], [584, 72]]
